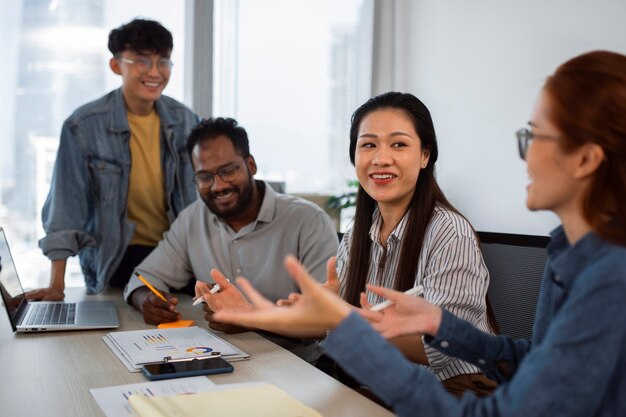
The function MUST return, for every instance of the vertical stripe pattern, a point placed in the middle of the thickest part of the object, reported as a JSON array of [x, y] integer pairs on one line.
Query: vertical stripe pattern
[[450, 268]]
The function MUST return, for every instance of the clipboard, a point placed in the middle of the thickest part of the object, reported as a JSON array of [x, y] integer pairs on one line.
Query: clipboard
[[171, 359]]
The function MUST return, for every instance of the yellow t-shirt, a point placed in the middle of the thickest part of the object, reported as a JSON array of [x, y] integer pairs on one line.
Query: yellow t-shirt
[[146, 191]]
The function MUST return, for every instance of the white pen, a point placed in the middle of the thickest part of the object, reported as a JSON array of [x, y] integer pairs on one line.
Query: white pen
[[411, 291], [213, 290]]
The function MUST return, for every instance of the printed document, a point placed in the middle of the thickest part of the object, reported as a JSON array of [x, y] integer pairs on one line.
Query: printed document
[[139, 347], [114, 400]]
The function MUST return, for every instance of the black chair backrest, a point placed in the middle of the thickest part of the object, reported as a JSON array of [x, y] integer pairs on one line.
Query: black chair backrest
[[516, 264]]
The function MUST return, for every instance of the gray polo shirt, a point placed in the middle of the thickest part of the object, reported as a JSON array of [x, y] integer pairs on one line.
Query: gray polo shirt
[[198, 241]]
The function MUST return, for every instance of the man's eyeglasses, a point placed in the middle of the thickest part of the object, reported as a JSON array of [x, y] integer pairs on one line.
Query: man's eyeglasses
[[524, 137], [145, 64], [227, 173]]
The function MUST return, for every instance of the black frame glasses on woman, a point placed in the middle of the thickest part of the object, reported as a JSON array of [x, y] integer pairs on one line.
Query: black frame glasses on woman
[[227, 173], [524, 137]]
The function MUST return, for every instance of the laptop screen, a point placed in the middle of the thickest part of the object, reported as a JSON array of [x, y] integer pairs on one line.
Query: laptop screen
[[10, 287]]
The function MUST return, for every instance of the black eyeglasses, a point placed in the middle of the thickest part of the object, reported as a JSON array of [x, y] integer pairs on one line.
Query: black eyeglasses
[[524, 137], [226, 173]]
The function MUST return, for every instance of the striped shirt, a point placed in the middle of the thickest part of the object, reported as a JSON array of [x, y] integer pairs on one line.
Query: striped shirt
[[450, 268]]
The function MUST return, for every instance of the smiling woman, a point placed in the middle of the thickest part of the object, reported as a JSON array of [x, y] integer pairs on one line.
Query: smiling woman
[[405, 231], [388, 159]]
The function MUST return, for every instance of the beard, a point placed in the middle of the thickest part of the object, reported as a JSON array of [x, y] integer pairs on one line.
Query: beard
[[243, 193]]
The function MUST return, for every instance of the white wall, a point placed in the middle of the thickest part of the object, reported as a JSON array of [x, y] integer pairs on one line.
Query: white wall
[[478, 65]]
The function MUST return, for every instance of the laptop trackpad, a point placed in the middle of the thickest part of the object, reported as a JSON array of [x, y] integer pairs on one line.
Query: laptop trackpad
[[96, 313]]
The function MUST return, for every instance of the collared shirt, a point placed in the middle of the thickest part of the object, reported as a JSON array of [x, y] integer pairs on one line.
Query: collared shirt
[[199, 241], [450, 267], [575, 366], [85, 212]]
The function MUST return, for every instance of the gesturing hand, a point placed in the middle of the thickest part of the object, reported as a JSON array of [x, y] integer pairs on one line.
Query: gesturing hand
[[407, 315], [227, 297], [331, 284], [315, 310]]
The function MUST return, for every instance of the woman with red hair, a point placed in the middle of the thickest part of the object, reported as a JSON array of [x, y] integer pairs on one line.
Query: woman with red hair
[[575, 365]]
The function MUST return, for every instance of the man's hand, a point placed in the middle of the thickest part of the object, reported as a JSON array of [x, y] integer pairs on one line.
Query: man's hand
[[228, 297], [154, 309], [55, 291], [203, 288], [46, 294]]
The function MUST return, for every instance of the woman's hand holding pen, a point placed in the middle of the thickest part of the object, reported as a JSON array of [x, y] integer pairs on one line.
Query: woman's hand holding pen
[[406, 316]]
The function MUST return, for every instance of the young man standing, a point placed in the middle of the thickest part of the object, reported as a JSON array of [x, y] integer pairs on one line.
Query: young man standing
[[122, 173]]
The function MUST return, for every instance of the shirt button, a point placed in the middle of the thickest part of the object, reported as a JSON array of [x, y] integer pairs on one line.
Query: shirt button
[[238, 271], [444, 344], [481, 361]]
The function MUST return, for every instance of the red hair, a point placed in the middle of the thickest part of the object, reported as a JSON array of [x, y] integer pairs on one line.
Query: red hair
[[588, 105]]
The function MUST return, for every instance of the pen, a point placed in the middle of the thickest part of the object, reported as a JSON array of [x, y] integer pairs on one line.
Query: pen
[[213, 290], [387, 303], [150, 287]]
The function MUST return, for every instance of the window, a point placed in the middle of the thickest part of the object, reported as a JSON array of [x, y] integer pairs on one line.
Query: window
[[292, 73], [55, 59]]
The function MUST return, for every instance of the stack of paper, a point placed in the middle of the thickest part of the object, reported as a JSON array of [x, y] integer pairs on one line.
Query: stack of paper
[[263, 400], [139, 347]]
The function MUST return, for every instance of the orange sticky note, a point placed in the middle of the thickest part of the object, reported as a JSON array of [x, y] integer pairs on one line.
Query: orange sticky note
[[178, 323]]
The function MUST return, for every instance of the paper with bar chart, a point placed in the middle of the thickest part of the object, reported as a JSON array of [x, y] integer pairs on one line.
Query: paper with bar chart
[[114, 400], [139, 347]]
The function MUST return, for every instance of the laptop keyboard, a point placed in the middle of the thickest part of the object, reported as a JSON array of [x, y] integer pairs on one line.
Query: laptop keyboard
[[59, 313]]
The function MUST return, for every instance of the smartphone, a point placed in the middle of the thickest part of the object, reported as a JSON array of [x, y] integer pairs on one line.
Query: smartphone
[[158, 371]]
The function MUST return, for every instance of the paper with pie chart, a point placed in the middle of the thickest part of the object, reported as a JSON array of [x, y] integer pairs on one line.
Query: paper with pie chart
[[140, 347]]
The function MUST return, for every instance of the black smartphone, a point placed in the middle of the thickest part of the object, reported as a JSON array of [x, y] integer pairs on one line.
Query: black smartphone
[[166, 370]]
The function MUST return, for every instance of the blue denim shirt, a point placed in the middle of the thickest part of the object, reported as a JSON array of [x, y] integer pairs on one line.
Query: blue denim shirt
[[575, 365], [85, 212]]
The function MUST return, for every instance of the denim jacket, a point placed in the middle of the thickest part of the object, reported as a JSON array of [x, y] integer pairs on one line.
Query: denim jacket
[[574, 366], [85, 212]]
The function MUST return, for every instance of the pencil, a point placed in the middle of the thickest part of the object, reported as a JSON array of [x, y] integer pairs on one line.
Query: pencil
[[154, 290]]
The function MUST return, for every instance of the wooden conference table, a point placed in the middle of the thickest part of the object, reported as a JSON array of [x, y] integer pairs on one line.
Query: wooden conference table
[[50, 374]]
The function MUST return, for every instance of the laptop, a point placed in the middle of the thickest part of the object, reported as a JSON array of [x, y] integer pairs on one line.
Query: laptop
[[46, 316]]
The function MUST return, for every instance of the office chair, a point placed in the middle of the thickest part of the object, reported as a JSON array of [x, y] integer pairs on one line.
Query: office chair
[[516, 264]]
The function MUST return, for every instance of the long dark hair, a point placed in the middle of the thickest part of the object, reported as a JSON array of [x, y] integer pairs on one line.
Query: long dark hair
[[426, 196]]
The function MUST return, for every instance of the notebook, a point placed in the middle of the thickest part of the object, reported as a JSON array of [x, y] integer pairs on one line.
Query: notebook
[[260, 400], [45, 316]]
